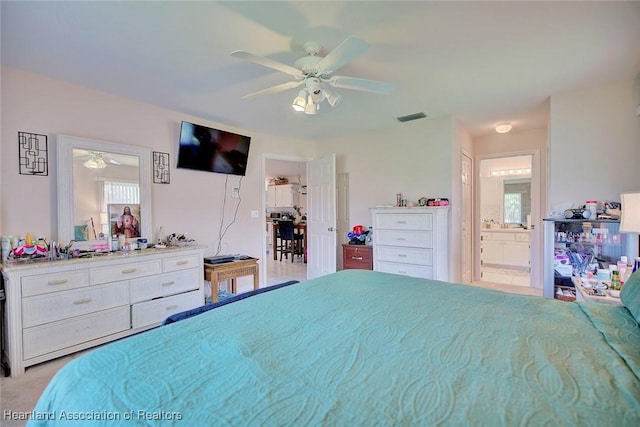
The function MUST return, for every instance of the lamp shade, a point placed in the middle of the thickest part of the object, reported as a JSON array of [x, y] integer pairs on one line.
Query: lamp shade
[[630, 216], [299, 103]]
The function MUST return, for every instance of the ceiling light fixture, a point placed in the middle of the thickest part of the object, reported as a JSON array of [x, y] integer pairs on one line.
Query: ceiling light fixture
[[503, 127]]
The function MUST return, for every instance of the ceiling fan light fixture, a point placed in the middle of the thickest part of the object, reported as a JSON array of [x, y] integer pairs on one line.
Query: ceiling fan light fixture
[[503, 127], [299, 103], [311, 108], [95, 162], [331, 97]]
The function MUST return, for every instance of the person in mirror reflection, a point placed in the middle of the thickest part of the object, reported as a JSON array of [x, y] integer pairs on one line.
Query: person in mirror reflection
[[127, 224]]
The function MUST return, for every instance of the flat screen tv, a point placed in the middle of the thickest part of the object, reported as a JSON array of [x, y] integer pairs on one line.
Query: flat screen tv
[[212, 150]]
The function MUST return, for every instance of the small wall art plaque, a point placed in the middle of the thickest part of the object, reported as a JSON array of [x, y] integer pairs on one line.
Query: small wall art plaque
[[161, 174], [33, 155]]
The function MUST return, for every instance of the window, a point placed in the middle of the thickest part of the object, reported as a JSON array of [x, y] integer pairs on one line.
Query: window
[[120, 192], [513, 208]]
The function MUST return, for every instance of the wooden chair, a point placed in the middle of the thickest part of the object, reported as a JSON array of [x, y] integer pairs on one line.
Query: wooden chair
[[291, 241]]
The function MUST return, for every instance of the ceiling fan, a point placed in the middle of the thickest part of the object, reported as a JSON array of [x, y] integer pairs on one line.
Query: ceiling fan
[[95, 160], [313, 72]]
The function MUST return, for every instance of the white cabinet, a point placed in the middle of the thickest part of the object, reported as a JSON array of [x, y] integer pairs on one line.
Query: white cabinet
[[505, 256], [505, 248], [60, 307], [283, 196], [411, 241]]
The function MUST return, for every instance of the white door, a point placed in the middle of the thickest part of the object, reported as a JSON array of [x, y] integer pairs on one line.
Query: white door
[[467, 209], [321, 219]]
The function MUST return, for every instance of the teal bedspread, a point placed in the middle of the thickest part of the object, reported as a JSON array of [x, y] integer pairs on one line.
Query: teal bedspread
[[361, 348]]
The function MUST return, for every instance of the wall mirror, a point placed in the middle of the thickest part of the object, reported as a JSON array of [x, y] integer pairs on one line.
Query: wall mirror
[[97, 181]]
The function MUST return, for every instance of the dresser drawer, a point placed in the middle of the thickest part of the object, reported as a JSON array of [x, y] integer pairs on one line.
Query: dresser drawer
[[404, 222], [154, 312], [51, 307], [358, 257], [125, 271], [405, 255], [418, 239], [181, 263], [54, 336], [147, 288], [405, 269], [54, 282]]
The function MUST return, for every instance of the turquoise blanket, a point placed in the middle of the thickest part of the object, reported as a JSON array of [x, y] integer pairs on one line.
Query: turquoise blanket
[[362, 348]]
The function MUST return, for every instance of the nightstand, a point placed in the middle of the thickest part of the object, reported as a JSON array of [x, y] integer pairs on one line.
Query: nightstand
[[357, 257]]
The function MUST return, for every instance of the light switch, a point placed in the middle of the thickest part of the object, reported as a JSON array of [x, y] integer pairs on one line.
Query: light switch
[[254, 214], [235, 193]]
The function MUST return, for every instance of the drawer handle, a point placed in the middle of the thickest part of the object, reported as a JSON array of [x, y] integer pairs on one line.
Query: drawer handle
[[58, 282], [172, 307], [129, 271], [402, 255], [402, 272], [82, 301], [359, 258], [183, 262], [401, 222], [401, 238], [168, 283]]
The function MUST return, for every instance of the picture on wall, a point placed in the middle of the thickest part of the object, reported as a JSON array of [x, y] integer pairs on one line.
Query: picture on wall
[[124, 219]]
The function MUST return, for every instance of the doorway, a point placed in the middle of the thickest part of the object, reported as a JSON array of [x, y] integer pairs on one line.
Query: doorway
[[289, 173], [507, 199]]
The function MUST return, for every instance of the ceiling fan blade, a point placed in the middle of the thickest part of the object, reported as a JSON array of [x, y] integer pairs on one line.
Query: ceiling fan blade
[[272, 90], [360, 84], [349, 49], [270, 63]]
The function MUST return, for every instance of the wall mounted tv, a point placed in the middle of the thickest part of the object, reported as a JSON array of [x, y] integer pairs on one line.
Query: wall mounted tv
[[212, 150]]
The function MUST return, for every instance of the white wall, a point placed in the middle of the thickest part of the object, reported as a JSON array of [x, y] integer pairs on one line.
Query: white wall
[[192, 202], [413, 158], [594, 145]]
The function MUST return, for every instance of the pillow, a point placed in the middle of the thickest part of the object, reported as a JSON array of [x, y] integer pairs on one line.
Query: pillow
[[630, 295]]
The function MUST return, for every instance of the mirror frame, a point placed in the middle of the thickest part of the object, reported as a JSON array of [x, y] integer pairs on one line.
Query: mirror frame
[[65, 146]]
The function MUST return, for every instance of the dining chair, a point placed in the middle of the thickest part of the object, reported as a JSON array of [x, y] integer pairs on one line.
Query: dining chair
[[291, 241]]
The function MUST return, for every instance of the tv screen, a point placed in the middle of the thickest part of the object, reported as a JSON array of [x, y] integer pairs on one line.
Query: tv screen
[[212, 150]]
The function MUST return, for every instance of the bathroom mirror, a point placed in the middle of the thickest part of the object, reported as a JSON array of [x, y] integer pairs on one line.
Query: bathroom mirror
[[96, 181]]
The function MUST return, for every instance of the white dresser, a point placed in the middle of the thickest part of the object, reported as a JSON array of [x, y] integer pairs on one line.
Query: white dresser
[[411, 241], [57, 308]]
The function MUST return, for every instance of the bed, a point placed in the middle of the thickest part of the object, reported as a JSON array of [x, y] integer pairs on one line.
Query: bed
[[364, 348]]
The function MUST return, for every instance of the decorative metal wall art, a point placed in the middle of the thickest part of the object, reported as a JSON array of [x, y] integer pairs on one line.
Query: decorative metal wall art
[[161, 168], [33, 155]]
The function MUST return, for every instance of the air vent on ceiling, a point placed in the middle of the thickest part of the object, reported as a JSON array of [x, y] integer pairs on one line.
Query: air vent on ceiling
[[414, 116]]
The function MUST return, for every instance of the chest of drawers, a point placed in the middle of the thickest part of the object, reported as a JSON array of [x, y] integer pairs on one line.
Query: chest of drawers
[[57, 308], [411, 241]]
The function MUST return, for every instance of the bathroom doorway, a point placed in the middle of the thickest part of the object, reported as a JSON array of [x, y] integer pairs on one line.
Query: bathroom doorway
[[507, 199]]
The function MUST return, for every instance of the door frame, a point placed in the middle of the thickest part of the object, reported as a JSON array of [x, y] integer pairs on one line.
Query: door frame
[[270, 156], [536, 219]]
